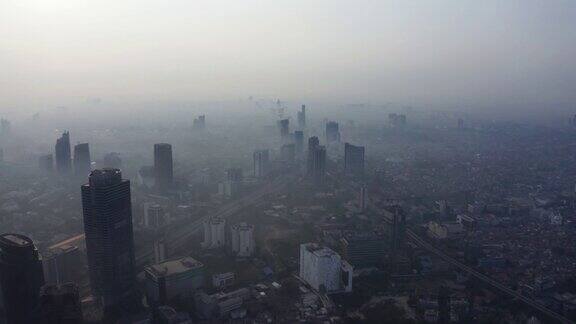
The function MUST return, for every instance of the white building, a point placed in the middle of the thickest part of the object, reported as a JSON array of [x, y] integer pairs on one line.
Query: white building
[[166, 280], [154, 216], [323, 269], [242, 239], [443, 231], [214, 233], [261, 163]]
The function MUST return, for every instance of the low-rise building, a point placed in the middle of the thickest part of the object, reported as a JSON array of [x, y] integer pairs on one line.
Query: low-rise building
[[180, 277]]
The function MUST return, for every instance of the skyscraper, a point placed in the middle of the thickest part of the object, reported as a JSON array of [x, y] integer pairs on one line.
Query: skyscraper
[[353, 159], [319, 165], [288, 152], [284, 126], [302, 117], [163, 166], [82, 159], [107, 212], [332, 132], [60, 304], [63, 154], [313, 143], [21, 277], [299, 142], [199, 122], [261, 163]]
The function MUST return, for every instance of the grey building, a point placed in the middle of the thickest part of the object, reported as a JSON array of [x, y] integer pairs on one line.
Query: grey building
[[163, 166]]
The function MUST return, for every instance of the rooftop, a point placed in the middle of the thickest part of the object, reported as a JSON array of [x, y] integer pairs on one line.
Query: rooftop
[[173, 267]]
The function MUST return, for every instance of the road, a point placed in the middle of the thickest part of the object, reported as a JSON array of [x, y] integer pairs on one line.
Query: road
[[177, 237], [504, 289]]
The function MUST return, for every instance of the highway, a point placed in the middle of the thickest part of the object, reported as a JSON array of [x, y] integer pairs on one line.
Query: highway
[[177, 237], [504, 289]]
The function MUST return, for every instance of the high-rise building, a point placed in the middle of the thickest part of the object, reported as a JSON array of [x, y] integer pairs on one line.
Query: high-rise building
[[332, 132], [284, 126], [363, 198], [199, 122], [364, 249], [353, 159], [299, 142], [261, 163], [214, 233], [82, 162], [398, 228], [107, 212], [324, 270], [46, 163], [60, 304], [21, 277], [61, 264], [169, 279], [313, 143], [163, 166], [302, 117], [63, 154], [159, 250], [242, 239], [319, 165], [397, 120], [4, 126], [232, 186], [154, 216], [288, 152]]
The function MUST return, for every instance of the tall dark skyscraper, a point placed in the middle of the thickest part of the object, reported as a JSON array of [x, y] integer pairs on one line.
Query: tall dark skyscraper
[[109, 238], [163, 166], [353, 159], [261, 163], [319, 165], [332, 132], [313, 143], [82, 159], [302, 117], [63, 154], [60, 304], [299, 142], [21, 277]]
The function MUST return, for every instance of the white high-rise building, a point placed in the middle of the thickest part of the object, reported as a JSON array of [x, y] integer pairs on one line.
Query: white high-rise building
[[261, 163], [154, 216], [324, 270], [242, 239], [214, 233]]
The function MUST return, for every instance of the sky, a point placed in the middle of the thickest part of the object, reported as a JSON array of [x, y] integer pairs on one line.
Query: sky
[[434, 52]]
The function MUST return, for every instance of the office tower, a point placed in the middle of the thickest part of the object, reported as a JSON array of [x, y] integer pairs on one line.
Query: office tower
[[302, 117], [60, 304], [107, 212], [363, 198], [61, 264], [82, 162], [261, 163], [284, 127], [63, 154], [299, 142], [154, 216], [159, 251], [242, 239], [112, 160], [398, 228], [163, 166], [319, 165], [363, 250], [214, 233], [332, 132], [460, 123], [313, 143], [323, 269], [46, 163], [21, 277], [173, 278], [288, 152], [232, 186], [4, 126], [199, 122], [353, 159]]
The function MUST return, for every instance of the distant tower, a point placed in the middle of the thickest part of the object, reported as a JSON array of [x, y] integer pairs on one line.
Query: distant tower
[[284, 126], [363, 198], [313, 143], [199, 123], [332, 132], [60, 304], [107, 212], [242, 239], [21, 277], [398, 229], [354, 159], [159, 251], [261, 163], [46, 163], [82, 162], [63, 154], [319, 165], [302, 117], [214, 233], [163, 166], [299, 142], [288, 152]]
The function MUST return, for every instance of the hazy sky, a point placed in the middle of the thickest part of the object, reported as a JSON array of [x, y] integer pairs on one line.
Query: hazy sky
[[453, 52]]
